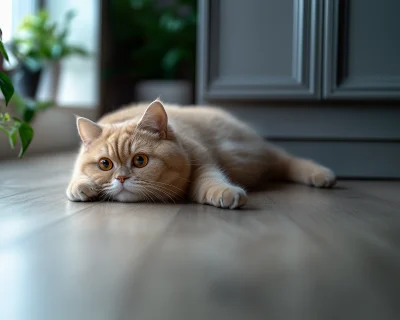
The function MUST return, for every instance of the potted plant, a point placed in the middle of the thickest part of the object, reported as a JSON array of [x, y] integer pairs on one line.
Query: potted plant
[[13, 127], [40, 42], [163, 38]]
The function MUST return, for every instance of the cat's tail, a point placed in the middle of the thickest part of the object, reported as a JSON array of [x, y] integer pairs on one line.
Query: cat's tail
[[283, 166]]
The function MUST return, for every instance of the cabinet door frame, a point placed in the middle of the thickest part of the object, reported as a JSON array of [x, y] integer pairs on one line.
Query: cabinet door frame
[[335, 84], [305, 81]]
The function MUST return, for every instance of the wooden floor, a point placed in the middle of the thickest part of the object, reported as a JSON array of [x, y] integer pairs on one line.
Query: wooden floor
[[292, 253]]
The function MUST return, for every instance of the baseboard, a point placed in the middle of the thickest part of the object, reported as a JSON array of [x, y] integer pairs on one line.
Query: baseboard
[[351, 159]]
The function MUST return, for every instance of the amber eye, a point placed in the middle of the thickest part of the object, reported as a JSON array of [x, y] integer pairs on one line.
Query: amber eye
[[105, 164], [140, 160]]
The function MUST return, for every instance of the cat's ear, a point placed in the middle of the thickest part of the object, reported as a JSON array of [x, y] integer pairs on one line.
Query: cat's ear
[[88, 130], [155, 119]]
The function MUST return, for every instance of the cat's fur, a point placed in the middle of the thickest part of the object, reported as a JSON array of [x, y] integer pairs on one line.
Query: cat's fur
[[200, 152]]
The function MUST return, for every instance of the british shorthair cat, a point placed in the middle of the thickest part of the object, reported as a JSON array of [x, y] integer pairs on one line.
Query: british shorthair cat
[[157, 153]]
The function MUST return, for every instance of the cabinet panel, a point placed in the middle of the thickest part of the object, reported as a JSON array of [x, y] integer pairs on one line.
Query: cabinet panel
[[362, 49], [265, 49]]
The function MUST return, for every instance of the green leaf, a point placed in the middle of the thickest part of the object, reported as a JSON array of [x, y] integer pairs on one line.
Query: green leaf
[[56, 51], [171, 61], [40, 106], [28, 115], [12, 137], [18, 103], [33, 64], [43, 16], [3, 51], [71, 14], [17, 122], [3, 129], [26, 136], [71, 50], [6, 87]]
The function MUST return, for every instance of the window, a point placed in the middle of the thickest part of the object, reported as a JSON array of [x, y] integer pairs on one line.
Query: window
[[79, 77], [6, 19]]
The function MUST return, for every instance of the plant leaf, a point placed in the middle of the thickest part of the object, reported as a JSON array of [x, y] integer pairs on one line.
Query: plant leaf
[[40, 106], [28, 115], [56, 51], [6, 87], [171, 61], [12, 136], [71, 50], [3, 51], [3, 129], [71, 14], [26, 136]]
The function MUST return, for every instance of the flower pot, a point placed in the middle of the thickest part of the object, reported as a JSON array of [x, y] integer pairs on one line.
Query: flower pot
[[50, 80], [170, 91], [26, 81]]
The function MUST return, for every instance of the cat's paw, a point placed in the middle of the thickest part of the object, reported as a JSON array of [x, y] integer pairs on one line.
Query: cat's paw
[[228, 197], [82, 190], [322, 178]]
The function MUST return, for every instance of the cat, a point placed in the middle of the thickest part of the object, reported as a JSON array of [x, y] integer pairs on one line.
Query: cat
[[156, 153]]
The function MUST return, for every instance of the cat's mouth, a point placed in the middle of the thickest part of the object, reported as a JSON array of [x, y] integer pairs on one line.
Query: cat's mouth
[[125, 195], [126, 192], [121, 189]]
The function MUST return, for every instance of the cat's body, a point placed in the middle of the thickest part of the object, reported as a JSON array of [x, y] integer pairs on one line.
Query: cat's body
[[200, 152]]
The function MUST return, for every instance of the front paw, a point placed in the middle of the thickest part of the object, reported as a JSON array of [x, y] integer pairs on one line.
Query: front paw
[[82, 190], [227, 196]]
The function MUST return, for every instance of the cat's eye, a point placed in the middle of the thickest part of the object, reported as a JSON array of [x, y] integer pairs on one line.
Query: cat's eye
[[140, 160], [105, 164]]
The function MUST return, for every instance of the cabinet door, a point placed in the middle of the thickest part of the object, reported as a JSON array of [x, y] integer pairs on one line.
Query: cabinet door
[[259, 49], [362, 49]]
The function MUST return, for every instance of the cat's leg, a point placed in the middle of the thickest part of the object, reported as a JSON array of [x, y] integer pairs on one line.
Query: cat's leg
[[251, 161], [283, 166], [210, 186], [81, 188]]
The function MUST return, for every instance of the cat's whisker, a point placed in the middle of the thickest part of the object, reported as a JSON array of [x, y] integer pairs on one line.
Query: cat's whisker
[[143, 196], [163, 192], [165, 189], [163, 183], [148, 195], [155, 189], [154, 194], [168, 192]]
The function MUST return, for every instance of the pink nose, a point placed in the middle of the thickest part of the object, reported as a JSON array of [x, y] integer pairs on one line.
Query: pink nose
[[122, 178]]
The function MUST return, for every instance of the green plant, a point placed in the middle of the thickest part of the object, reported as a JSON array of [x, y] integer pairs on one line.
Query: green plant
[[163, 38], [11, 126], [39, 39]]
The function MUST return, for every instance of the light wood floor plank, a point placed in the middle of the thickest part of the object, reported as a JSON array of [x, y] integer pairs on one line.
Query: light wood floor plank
[[293, 252]]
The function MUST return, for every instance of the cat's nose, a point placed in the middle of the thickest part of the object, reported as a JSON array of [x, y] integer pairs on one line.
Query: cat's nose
[[122, 178]]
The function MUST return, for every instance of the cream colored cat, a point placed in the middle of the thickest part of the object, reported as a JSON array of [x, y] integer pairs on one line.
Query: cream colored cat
[[156, 154]]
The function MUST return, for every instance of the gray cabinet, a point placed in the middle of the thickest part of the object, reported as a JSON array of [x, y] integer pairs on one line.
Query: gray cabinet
[[362, 49], [299, 50], [261, 49], [319, 77]]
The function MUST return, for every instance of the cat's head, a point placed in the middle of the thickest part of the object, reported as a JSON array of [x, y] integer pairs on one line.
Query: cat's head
[[134, 160]]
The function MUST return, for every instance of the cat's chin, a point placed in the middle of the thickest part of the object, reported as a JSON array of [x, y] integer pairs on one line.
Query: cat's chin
[[126, 196]]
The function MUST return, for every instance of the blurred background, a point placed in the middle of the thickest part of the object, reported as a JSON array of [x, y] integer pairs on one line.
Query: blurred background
[[320, 78]]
